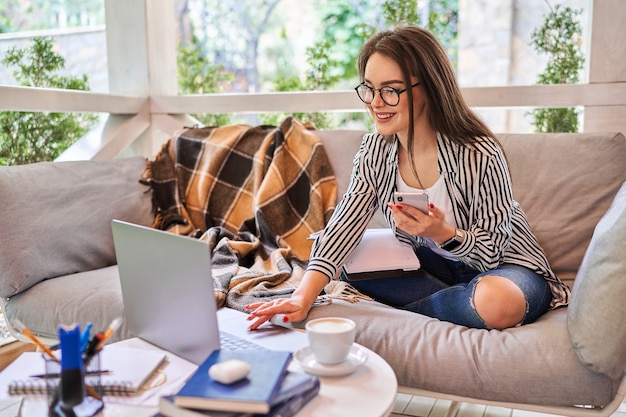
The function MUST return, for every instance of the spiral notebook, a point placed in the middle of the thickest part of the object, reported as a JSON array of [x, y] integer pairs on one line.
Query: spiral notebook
[[131, 371]]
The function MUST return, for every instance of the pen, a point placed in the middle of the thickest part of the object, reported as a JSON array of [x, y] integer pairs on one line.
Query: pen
[[84, 337], [19, 326], [91, 349]]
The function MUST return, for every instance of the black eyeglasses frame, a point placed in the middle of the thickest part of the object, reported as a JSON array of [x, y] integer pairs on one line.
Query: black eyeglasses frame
[[374, 90]]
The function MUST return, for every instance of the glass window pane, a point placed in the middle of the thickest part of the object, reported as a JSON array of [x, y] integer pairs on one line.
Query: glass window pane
[[77, 31]]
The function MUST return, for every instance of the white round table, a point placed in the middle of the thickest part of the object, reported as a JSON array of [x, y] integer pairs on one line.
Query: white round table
[[370, 391]]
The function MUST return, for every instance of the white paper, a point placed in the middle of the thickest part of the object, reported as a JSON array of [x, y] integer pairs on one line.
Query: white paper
[[176, 372]]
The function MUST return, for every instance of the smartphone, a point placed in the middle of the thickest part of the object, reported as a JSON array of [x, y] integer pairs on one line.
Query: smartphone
[[417, 199]]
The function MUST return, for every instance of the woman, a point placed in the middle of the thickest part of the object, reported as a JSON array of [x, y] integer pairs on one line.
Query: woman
[[481, 266]]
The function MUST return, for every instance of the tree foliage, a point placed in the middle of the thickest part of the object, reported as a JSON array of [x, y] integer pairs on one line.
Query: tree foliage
[[347, 25], [196, 75], [559, 37], [229, 34], [23, 15], [27, 137], [318, 77]]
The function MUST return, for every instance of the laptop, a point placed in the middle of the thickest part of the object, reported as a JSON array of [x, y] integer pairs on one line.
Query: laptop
[[167, 289]]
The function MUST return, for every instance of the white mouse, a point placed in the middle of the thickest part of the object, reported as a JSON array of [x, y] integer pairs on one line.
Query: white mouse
[[230, 371]]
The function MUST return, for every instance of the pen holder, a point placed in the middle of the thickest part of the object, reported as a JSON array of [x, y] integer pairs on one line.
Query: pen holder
[[74, 393]]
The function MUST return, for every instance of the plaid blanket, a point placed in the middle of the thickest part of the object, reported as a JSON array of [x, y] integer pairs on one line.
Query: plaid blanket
[[244, 272], [255, 193]]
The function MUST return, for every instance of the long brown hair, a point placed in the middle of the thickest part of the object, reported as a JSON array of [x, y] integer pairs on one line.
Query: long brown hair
[[420, 54]]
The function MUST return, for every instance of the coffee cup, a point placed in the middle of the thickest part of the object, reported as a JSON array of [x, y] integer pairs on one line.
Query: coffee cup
[[330, 339]]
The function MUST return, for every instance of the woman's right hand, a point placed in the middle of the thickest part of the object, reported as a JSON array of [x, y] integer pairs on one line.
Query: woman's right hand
[[292, 309]]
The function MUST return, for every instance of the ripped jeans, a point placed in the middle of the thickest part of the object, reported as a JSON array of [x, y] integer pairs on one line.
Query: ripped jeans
[[444, 289]]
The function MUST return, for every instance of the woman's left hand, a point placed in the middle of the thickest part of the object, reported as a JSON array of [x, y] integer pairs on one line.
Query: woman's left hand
[[416, 223]]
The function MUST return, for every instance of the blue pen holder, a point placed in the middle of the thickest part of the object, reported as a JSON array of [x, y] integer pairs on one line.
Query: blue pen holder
[[74, 394]]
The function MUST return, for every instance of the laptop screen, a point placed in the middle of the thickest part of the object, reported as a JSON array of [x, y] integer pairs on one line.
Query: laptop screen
[[167, 289]]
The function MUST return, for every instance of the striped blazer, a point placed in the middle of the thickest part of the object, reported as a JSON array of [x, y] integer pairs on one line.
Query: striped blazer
[[479, 185]]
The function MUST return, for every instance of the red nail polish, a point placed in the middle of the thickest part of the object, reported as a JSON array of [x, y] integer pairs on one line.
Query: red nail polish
[[285, 319], [398, 206], [431, 205]]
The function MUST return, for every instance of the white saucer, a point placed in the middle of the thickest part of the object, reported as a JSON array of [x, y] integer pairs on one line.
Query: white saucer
[[355, 359]]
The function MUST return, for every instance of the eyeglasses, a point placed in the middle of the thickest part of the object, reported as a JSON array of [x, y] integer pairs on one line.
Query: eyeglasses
[[390, 95]]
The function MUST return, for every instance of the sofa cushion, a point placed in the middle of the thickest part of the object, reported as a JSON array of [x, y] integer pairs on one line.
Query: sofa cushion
[[565, 182], [341, 147], [542, 166], [442, 357], [56, 217], [597, 311], [86, 297]]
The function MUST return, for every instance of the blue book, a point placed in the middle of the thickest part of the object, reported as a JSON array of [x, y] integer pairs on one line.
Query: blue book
[[295, 383], [305, 390], [295, 403], [167, 408], [254, 394]]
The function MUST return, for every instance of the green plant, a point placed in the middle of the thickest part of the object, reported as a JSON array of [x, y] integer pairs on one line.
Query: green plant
[[401, 12], [346, 33], [196, 75], [318, 77], [27, 137], [560, 38], [442, 22]]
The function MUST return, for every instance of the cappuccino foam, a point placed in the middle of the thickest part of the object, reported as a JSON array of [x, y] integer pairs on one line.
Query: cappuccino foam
[[331, 326]]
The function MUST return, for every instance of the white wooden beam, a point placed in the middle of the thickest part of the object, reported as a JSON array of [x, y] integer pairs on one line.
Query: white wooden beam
[[307, 101], [569, 95], [109, 139], [141, 45], [170, 124], [125, 135], [162, 48], [553, 95], [127, 50], [611, 94], [607, 64], [56, 100]]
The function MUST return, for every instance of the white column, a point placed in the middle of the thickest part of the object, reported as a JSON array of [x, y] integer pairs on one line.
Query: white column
[[607, 62], [141, 50]]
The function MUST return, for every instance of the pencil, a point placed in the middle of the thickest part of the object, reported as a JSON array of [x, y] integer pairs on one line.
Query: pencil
[[57, 375], [115, 324], [18, 325]]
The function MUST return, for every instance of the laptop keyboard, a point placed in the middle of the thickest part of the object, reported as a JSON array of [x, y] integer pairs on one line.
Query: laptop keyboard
[[231, 342]]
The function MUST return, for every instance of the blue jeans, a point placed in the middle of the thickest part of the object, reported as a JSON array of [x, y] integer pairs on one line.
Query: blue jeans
[[444, 289]]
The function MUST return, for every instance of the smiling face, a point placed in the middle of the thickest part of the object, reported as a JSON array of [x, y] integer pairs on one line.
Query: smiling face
[[404, 56], [382, 71]]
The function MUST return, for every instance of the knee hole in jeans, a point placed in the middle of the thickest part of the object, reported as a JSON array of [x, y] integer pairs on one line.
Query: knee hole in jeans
[[499, 302]]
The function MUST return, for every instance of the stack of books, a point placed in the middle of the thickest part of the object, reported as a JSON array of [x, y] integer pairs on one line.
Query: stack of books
[[268, 390]]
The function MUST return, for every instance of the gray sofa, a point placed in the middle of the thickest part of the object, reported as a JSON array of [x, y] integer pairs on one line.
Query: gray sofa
[[57, 265]]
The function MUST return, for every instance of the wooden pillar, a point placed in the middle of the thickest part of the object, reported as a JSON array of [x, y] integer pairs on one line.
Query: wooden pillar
[[607, 62], [141, 50]]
